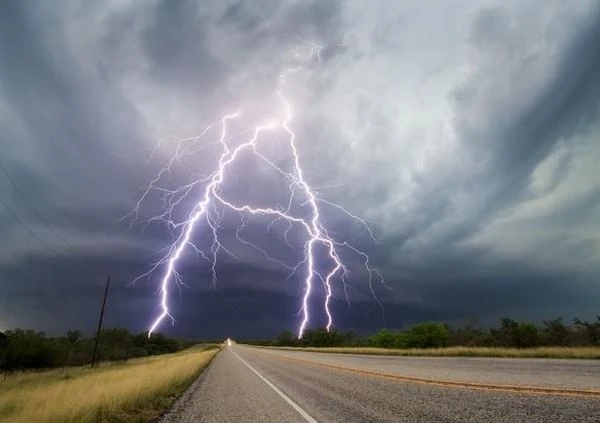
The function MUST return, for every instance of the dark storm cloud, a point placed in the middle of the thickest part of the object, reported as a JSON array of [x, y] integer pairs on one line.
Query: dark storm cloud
[[74, 123], [67, 291], [247, 313], [475, 181]]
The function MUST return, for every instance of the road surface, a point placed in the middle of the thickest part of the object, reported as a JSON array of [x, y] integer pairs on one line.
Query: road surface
[[245, 384]]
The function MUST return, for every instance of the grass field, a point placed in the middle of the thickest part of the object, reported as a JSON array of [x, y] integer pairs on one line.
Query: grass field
[[136, 391], [541, 352]]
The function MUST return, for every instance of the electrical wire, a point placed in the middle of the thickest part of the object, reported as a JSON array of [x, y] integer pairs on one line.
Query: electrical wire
[[31, 207]]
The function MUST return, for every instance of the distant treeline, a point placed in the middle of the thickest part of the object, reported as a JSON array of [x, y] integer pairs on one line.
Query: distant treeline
[[28, 349], [509, 333]]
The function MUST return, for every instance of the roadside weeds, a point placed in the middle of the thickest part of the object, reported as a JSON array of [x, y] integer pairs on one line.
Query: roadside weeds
[[592, 353], [137, 391]]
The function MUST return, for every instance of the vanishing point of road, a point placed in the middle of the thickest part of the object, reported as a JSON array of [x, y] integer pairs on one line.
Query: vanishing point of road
[[245, 384]]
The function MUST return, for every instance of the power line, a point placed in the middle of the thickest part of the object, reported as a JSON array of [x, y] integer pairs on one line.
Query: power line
[[30, 206], [24, 226]]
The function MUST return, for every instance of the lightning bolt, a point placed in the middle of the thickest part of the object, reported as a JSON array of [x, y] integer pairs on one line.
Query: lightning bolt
[[209, 210]]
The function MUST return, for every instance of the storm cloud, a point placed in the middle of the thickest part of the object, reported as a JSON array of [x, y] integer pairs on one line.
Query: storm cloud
[[465, 134]]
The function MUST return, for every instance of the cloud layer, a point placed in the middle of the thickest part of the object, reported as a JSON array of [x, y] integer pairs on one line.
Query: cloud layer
[[467, 136]]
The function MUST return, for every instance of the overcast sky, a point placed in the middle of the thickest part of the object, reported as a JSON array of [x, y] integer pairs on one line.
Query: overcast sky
[[465, 132]]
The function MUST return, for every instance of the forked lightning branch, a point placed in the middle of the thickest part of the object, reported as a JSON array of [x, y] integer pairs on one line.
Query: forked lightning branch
[[204, 218]]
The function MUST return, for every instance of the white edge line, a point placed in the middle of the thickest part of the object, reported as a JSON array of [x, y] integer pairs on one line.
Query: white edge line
[[287, 399]]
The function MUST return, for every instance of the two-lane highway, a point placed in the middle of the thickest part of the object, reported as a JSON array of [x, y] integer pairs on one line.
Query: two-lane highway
[[245, 384]]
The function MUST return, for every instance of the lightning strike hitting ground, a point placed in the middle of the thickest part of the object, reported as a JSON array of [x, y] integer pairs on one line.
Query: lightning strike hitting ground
[[206, 211]]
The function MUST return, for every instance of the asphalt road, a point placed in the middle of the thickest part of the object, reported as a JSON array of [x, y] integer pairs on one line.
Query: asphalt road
[[246, 384]]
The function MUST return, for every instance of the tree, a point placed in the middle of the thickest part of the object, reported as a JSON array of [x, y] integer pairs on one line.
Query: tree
[[591, 330], [158, 343], [555, 332], [73, 336], [3, 349], [503, 336], [285, 339], [470, 334], [426, 335], [29, 349], [525, 335], [323, 338], [115, 344], [384, 339], [515, 334]]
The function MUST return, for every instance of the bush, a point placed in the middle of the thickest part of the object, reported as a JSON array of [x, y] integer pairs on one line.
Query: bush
[[323, 338], [426, 335], [27, 349], [385, 339], [285, 339]]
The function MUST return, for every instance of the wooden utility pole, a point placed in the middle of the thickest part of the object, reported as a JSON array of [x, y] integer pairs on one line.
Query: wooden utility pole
[[100, 322]]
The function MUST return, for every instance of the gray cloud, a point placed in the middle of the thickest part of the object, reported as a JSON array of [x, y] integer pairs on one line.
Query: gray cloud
[[465, 135]]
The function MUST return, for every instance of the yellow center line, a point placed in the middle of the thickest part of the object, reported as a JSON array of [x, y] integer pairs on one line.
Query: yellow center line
[[536, 390]]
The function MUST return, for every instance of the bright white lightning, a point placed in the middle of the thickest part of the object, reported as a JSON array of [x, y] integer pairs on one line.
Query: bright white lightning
[[204, 211]]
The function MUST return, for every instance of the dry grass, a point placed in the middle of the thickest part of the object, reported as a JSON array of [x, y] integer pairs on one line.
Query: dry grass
[[542, 352], [133, 392]]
